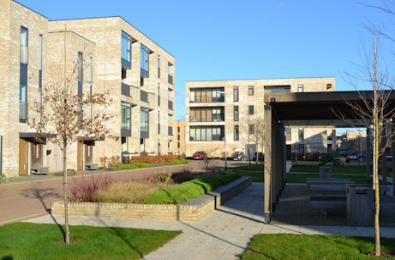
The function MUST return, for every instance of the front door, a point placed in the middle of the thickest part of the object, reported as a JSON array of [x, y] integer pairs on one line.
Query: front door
[[23, 149], [88, 153], [80, 156], [36, 154]]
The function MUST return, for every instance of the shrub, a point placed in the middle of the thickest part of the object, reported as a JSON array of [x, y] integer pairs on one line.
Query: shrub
[[152, 159], [3, 179], [85, 188], [128, 192], [189, 189]]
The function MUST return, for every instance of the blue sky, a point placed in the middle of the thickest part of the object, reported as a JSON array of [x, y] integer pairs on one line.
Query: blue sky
[[235, 39]]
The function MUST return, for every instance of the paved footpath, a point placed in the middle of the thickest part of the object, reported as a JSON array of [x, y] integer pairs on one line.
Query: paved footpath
[[221, 235], [34, 195]]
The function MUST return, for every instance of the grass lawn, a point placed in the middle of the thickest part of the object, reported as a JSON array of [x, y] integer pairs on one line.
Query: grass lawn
[[255, 171], [45, 241], [352, 169], [286, 246], [189, 189], [136, 165]]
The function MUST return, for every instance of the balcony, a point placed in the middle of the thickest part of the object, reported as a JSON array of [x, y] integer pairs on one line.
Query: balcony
[[144, 96], [125, 89], [170, 131], [170, 105], [170, 79], [22, 111]]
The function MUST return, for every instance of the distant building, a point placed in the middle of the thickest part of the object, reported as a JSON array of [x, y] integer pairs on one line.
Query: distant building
[[179, 137], [231, 112]]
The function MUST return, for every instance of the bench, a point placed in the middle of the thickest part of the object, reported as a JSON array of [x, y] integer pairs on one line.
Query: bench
[[39, 171], [328, 193], [91, 166]]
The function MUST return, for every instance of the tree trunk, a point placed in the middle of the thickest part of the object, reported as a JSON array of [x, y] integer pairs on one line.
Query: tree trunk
[[65, 197], [376, 182]]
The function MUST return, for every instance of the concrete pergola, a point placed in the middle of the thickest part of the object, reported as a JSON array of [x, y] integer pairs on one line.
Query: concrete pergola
[[306, 109]]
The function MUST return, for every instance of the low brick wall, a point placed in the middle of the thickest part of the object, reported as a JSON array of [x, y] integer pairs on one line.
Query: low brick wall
[[191, 210]]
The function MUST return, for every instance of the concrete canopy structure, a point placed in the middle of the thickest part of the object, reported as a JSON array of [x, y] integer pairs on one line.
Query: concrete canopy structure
[[309, 109]]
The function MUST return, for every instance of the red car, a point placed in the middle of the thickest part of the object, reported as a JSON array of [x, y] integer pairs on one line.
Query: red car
[[200, 155]]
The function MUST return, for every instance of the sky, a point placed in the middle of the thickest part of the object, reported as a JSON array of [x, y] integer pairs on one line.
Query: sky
[[246, 39]]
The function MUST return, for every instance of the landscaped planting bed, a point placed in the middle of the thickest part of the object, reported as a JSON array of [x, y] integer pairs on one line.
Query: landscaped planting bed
[[157, 197], [45, 241], [289, 246]]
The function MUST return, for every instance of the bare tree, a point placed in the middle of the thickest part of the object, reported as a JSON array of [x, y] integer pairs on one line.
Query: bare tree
[[65, 116], [374, 111]]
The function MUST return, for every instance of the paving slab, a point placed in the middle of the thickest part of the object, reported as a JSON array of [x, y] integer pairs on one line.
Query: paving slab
[[222, 235]]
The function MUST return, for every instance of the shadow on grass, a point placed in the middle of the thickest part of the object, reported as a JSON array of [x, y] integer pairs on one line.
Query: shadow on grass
[[43, 194], [119, 233]]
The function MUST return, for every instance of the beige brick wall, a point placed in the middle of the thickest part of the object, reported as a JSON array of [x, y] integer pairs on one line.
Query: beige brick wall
[[106, 33], [216, 148], [101, 39]]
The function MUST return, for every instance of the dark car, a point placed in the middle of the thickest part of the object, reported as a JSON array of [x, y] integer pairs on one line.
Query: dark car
[[199, 155], [237, 156]]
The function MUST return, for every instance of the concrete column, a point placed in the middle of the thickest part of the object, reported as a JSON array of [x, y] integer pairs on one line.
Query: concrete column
[[268, 168]]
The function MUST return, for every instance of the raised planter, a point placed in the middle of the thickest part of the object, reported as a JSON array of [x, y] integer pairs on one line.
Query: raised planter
[[191, 210]]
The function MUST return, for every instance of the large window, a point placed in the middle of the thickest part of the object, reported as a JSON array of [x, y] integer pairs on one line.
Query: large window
[[207, 114], [158, 94], [207, 95], [80, 80], [236, 133], [126, 116], [250, 90], [251, 109], [251, 129], [23, 75], [235, 113], [206, 133], [40, 61], [144, 61], [158, 122], [144, 123], [235, 93], [126, 50]]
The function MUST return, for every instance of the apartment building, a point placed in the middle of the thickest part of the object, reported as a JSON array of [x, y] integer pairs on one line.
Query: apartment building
[[112, 56], [179, 137], [227, 116]]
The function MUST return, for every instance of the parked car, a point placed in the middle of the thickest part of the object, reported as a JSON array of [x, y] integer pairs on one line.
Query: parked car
[[199, 155], [238, 156]]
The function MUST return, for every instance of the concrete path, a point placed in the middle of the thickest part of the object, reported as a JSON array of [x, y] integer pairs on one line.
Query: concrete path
[[221, 235], [33, 196]]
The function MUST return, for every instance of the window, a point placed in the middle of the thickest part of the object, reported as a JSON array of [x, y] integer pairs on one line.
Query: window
[[217, 95], [158, 94], [236, 133], [23, 76], [80, 76], [24, 45], [251, 109], [277, 89], [158, 66], [126, 52], [300, 88], [144, 123], [301, 148], [329, 86], [206, 133], [158, 122], [235, 113], [126, 116], [144, 61], [251, 129], [40, 61], [250, 90], [80, 79], [236, 94], [301, 134], [170, 78], [287, 132]]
